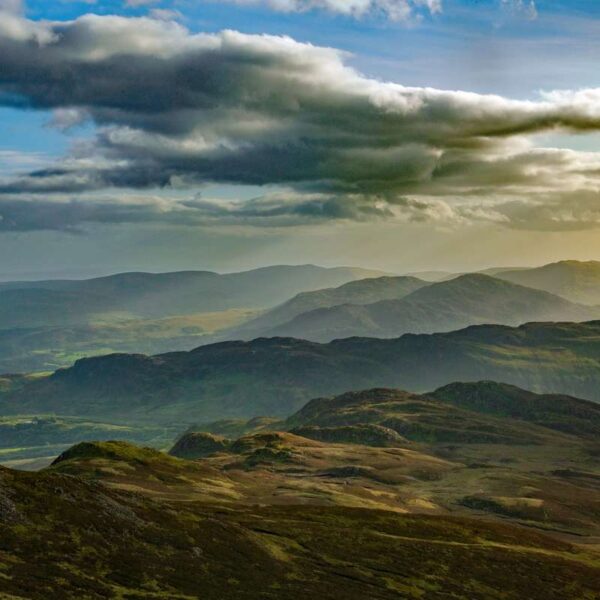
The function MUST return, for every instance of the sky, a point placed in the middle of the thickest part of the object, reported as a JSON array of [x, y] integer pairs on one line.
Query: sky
[[402, 135]]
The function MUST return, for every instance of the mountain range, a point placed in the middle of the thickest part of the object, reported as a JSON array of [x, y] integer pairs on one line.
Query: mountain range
[[50, 324], [277, 376], [361, 292], [147, 295], [577, 281], [466, 300]]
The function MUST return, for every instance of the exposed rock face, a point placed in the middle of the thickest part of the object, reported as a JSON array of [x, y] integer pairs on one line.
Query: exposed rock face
[[199, 445]]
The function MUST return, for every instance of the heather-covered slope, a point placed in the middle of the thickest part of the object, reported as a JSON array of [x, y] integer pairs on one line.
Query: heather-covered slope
[[467, 300], [398, 451], [483, 412], [123, 545], [277, 376]]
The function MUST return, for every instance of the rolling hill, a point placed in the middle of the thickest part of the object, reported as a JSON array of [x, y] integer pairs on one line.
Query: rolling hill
[[577, 281], [361, 292], [393, 450], [478, 412], [147, 295], [277, 376], [379, 493], [135, 546], [466, 300]]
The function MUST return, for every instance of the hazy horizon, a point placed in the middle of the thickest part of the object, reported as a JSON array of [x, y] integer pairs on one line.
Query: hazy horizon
[[83, 274], [402, 135]]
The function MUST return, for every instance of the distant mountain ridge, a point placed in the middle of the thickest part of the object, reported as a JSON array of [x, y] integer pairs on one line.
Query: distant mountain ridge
[[466, 300], [277, 376], [361, 292], [147, 295], [575, 280]]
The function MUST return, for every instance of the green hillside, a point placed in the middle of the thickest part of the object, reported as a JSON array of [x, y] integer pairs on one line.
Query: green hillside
[[458, 413], [277, 377]]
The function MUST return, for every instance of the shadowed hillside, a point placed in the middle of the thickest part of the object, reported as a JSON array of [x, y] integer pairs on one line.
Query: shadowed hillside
[[277, 376]]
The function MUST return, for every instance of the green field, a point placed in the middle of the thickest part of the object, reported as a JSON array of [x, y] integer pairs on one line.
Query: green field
[[50, 348]]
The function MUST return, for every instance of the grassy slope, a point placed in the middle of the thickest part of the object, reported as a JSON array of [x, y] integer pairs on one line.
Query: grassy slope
[[125, 546], [450, 416]]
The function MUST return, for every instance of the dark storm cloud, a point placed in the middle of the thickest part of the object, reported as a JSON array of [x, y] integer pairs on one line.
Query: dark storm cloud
[[275, 210], [177, 109]]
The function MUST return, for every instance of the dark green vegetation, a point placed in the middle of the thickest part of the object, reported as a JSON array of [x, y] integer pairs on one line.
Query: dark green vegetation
[[198, 445], [571, 279], [126, 546], [466, 300], [45, 325], [557, 412], [278, 376]]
